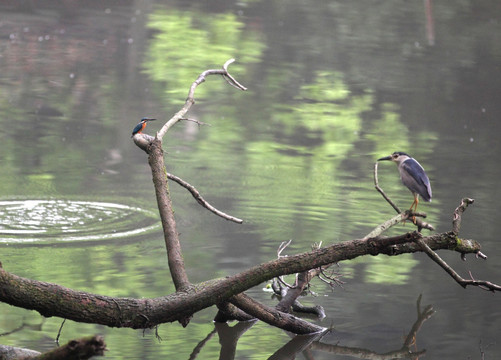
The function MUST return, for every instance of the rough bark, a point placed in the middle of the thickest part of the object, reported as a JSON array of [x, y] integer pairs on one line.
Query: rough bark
[[174, 255], [78, 349], [55, 300]]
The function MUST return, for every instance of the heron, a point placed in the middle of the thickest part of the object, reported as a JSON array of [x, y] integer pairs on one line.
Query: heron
[[412, 175]]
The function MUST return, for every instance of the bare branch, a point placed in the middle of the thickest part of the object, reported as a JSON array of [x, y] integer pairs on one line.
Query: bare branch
[[282, 247], [230, 79], [164, 203], [378, 188], [148, 312], [456, 217], [486, 285], [331, 279], [274, 317], [194, 192], [386, 225], [191, 99]]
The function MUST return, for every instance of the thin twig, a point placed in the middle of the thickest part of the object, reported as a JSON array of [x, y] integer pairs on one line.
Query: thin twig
[[486, 285], [194, 192], [198, 122], [59, 332], [332, 280], [230, 79], [282, 247], [418, 222], [190, 100], [378, 188], [282, 281]]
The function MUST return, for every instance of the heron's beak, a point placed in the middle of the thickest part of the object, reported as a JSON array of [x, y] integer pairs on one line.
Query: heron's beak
[[385, 158]]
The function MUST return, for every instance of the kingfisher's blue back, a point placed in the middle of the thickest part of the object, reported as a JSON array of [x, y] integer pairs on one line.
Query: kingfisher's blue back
[[139, 127]]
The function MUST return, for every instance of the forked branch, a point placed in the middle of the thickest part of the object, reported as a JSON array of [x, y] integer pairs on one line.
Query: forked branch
[[485, 285], [180, 115], [153, 147]]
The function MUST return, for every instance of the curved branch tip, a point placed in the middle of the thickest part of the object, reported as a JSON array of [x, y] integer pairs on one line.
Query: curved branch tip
[[227, 63]]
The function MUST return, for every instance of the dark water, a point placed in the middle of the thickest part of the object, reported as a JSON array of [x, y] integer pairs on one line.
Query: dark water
[[332, 87]]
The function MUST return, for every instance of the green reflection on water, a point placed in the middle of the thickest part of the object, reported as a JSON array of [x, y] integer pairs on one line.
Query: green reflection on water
[[183, 45], [395, 270]]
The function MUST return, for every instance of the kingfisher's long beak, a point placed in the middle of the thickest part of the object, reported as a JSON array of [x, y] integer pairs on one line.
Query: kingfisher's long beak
[[385, 158], [150, 119]]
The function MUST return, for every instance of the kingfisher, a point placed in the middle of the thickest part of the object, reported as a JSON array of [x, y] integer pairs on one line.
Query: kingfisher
[[138, 129]]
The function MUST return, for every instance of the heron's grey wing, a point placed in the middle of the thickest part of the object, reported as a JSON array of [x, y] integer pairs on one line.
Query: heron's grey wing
[[415, 178]]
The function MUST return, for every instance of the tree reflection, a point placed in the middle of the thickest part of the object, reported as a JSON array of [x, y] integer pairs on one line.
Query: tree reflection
[[309, 345]]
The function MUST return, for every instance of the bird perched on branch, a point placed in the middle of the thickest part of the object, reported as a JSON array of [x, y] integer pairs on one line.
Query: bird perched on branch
[[412, 175], [138, 129]]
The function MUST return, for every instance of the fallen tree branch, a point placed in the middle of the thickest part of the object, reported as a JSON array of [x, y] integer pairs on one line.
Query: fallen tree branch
[[55, 300], [79, 349], [282, 320]]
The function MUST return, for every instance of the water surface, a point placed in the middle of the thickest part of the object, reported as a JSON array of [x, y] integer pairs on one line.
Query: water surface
[[332, 87]]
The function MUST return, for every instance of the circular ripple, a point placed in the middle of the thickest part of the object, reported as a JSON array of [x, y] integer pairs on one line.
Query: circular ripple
[[62, 220]]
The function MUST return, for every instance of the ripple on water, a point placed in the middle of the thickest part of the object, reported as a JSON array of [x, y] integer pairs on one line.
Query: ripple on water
[[65, 220]]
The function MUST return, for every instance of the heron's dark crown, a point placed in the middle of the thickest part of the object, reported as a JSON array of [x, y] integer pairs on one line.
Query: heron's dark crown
[[401, 153]]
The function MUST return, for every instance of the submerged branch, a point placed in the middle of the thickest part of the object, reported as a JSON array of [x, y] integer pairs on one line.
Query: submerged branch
[[78, 349]]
